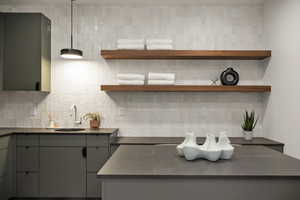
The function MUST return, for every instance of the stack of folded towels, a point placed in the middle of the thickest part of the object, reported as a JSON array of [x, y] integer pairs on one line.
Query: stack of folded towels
[[161, 79], [131, 79], [159, 44], [131, 44]]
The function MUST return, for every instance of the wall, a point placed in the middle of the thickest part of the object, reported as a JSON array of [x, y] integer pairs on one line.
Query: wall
[[282, 31], [191, 26]]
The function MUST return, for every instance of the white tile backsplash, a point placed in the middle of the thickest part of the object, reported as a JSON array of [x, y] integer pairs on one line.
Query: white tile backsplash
[[199, 26]]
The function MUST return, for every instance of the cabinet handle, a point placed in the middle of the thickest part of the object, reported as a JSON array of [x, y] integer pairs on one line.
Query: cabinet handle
[[38, 86], [84, 152]]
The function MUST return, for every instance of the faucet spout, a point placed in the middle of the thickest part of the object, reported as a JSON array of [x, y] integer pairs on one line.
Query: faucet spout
[[76, 121]]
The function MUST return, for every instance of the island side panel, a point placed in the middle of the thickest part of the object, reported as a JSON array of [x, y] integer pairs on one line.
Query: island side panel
[[212, 188]]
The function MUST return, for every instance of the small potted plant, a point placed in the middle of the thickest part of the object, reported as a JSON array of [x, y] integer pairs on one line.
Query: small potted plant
[[249, 124], [94, 118]]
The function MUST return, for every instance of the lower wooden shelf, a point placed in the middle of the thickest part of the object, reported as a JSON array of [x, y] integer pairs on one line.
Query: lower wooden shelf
[[184, 88]]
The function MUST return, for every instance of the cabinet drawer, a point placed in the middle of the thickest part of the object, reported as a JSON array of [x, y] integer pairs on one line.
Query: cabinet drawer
[[96, 157], [93, 186], [4, 190], [62, 140], [4, 142], [97, 140], [3, 162], [27, 159], [27, 184], [27, 140]]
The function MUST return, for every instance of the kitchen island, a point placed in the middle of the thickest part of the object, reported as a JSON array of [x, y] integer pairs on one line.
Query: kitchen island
[[157, 172]]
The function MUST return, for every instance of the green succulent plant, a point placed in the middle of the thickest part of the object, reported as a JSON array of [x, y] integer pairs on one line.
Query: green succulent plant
[[249, 121], [92, 116]]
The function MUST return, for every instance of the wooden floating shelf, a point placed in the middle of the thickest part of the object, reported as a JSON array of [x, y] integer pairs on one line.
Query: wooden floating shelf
[[183, 88], [186, 54]]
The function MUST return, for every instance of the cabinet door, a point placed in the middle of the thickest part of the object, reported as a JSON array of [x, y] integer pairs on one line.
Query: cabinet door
[[1, 49], [96, 157], [22, 55], [62, 172], [93, 185]]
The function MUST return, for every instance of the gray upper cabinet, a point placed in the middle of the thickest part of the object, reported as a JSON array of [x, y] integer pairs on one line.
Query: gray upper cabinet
[[26, 51]]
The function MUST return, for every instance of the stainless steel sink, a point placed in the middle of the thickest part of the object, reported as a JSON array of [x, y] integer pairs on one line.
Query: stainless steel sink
[[69, 129]]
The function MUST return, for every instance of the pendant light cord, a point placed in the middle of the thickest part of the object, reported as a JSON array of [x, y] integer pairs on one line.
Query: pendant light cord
[[72, 23]]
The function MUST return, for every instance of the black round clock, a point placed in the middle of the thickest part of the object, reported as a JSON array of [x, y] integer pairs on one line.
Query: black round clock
[[229, 77]]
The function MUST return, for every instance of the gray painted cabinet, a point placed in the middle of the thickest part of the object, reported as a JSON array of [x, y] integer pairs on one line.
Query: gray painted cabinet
[[50, 166], [26, 51]]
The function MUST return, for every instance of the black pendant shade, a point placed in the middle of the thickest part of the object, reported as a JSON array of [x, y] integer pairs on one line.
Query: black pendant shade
[[71, 53]]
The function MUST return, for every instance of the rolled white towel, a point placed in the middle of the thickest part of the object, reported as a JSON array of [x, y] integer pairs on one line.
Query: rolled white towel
[[133, 77], [161, 76], [127, 82], [130, 41], [159, 41], [161, 82], [131, 46], [160, 46]]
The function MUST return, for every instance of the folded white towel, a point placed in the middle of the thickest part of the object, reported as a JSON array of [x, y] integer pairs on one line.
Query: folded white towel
[[134, 77], [127, 82], [160, 82], [161, 76], [160, 46], [130, 41], [159, 41], [131, 46]]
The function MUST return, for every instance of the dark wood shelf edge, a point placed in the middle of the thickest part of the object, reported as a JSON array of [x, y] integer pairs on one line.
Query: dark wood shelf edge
[[187, 54], [183, 88]]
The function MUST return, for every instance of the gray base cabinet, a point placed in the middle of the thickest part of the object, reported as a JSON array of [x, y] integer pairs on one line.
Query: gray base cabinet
[[52, 166], [62, 172]]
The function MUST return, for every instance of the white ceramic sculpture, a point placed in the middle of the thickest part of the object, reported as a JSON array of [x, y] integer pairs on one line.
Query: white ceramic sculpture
[[224, 144], [190, 140], [210, 150]]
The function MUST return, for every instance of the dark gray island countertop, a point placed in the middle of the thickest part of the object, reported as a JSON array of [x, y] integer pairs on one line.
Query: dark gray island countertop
[[178, 140], [163, 161]]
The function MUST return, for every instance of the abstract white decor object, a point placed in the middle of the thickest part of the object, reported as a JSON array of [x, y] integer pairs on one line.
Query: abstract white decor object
[[210, 150]]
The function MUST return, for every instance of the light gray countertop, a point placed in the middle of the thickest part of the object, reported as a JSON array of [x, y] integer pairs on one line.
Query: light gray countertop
[[10, 131], [162, 160]]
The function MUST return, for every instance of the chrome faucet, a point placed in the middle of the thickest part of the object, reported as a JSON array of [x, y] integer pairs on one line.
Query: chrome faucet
[[76, 121]]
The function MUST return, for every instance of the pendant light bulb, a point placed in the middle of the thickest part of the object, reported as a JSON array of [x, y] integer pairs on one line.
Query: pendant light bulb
[[71, 53]]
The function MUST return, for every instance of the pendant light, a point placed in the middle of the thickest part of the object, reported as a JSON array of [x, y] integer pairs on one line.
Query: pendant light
[[71, 53]]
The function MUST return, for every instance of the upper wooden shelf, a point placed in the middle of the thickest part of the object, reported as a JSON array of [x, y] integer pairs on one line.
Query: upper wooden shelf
[[186, 54], [183, 88]]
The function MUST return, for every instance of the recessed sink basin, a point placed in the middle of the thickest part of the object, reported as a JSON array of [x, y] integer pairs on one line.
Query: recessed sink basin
[[69, 129]]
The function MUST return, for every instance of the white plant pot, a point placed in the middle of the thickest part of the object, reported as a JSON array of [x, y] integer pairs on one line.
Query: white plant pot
[[248, 135]]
